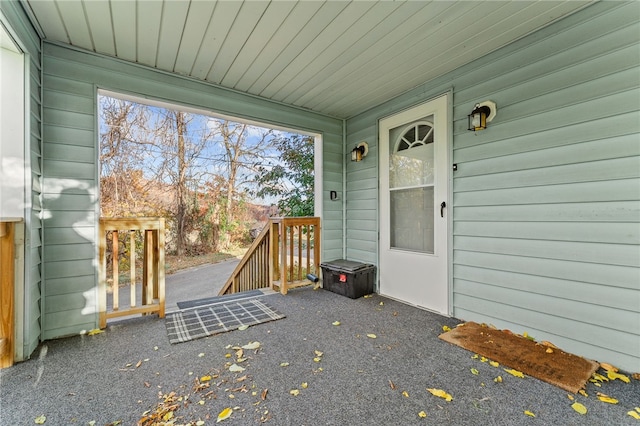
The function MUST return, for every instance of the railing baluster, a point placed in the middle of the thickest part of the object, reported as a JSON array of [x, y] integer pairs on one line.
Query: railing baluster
[[115, 276], [132, 267]]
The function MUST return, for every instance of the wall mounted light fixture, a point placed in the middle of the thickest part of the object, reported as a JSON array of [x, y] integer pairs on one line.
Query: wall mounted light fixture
[[482, 114], [360, 151]]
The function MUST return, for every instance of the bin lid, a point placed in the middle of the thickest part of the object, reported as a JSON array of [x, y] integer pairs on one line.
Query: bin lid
[[345, 265]]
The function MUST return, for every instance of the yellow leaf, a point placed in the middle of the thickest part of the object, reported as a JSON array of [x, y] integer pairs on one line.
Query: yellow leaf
[[606, 398], [304, 385], [318, 353], [474, 371], [529, 413], [608, 367], [40, 420], [571, 397], [446, 328], [317, 359], [526, 336], [235, 368], [637, 409], [579, 408], [483, 359], [294, 392], [475, 356], [205, 378], [600, 377], [284, 364], [336, 323], [583, 393], [440, 393], [494, 364], [251, 345], [243, 327], [94, 332], [200, 423], [549, 351], [515, 373], [381, 303], [405, 394], [201, 354], [168, 416], [372, 336], [613, 375], [224, 414], [422, 414], [634, 414], [498, 379]]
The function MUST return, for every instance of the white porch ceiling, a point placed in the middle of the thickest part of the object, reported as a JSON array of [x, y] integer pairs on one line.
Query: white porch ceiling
[[338, 58]]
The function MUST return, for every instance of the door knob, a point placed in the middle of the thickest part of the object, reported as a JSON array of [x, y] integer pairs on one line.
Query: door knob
[[442, 206]]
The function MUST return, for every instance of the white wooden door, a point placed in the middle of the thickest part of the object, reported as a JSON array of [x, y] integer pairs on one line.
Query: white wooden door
[[414, 191]]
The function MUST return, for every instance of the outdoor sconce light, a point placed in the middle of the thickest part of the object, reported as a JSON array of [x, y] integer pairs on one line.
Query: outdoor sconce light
[[360, 151], [482, 114]]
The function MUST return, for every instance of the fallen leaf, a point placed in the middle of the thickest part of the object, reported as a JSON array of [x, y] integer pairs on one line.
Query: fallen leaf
[[235, 368], [483, 359], [515, 373], [600, 377], [381, 303], [498, 379], [405, 394], [422, 414], [224, 414], [317, 359], [579, 408], [583, 393], [634, 414], [549, 351], [243, 327], [474, 371], [201, 354], [526, 336], [391, 385], [205, 378], [551, 345], [318, 353], [372, 336], [494, 364], [636, 376], [608, 367], [571, 397], [613, 376], [263, 395], [241, 379], [606, 398], [440, 393], [94, 332], [446, 328], [200, 423], [336, 323], [227, 355], [251, 345], [529, 413], [304, 385], [475, 356], [138, 364], [40, 420], [284, 364], [294, 392]]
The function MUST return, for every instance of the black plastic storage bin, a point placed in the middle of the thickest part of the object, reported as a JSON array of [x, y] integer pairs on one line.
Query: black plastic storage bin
[[348, 278]]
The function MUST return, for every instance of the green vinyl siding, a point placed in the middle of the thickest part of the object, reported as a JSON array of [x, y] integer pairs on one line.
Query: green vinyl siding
[[29, 41], [70, 186], [546, 201]]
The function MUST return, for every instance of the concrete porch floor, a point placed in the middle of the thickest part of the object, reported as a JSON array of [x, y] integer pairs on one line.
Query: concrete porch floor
[[118, 375]]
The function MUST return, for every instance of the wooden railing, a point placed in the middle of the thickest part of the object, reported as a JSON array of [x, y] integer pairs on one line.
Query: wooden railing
[[145, 234], [7, 287], [281, 257]]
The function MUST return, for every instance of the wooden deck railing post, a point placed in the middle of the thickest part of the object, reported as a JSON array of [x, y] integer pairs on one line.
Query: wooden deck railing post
[[7, 283]]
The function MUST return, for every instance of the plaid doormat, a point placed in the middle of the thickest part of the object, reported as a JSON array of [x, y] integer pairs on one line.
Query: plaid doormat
[[203, 321]]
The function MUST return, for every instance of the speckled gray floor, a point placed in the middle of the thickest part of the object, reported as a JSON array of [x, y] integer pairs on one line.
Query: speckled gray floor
[[81, 379]]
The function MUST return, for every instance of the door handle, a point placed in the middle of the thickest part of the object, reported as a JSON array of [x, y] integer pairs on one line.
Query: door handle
[[442, 206]]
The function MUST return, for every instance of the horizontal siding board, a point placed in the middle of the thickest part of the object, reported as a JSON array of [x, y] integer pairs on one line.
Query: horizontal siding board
[[70, 153], [68, 323], [619, 211], [67, 102], [55, 253], [70, 268], [602, 149], [607, 190], [588, 232], [69, 285], [70, 136], [63, 118], [594, 294], [606, 275], [612, 169], [610, 254], [62, 169]]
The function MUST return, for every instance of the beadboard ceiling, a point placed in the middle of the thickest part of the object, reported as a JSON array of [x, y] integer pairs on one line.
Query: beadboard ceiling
[[337, 58]]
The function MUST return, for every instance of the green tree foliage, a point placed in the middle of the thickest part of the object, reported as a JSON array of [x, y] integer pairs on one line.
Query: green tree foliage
[[290, 181]]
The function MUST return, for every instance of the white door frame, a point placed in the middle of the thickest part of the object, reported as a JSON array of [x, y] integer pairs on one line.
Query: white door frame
[[447, 124]]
